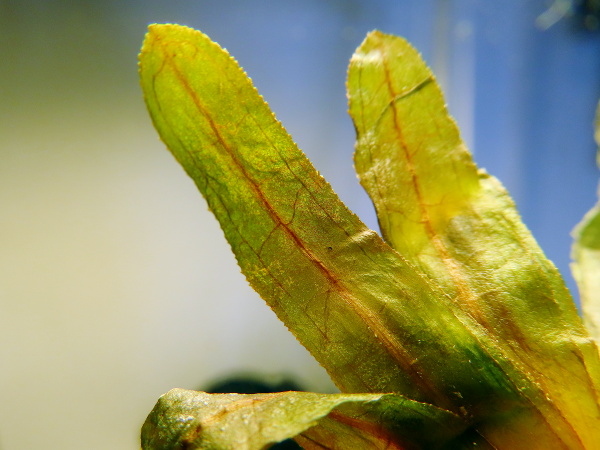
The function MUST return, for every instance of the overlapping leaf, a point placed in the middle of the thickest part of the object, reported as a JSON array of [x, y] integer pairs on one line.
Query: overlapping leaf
[[197, 420], [461, 228], [465, 314]]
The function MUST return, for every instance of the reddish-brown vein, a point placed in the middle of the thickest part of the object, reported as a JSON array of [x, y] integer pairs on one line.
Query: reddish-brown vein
[[374, 430], [464, 293]]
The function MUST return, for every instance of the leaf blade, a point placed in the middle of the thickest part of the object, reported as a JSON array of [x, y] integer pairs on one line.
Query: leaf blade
[[360, 309], [461, 228]]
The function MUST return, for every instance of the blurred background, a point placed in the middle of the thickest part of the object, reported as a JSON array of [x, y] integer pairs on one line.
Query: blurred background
[[116, 283]]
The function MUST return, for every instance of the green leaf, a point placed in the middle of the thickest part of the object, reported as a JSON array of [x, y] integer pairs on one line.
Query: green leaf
[[586, 260], [197, 420]]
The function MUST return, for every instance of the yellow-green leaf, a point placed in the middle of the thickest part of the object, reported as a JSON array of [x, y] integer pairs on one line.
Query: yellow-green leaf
[[373, 321], [197, 420], [460, 227], [586, 260]]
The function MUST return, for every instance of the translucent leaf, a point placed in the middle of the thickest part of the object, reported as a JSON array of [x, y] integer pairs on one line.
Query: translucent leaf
[[373, 321], [197, 420]]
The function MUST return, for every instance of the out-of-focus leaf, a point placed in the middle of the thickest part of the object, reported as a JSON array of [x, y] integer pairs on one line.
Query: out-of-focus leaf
[[190, 420], [460, 227], [586, 260], [586, 268]]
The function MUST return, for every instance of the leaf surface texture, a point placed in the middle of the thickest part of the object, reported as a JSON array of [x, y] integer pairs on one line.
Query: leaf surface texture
[[197, 420]]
